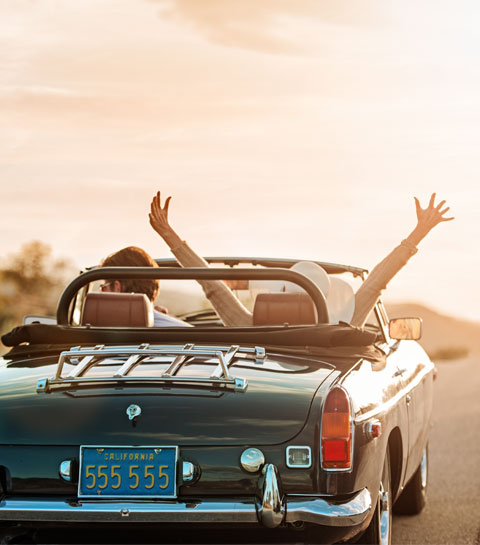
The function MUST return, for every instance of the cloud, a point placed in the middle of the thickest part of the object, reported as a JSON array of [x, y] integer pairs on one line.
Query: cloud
[[260, 25]]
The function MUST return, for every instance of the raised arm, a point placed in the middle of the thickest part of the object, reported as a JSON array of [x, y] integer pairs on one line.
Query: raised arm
[[368, 294], [228, 307]]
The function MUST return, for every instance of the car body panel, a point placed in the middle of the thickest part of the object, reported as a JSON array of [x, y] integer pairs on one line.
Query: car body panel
[[170, 415]]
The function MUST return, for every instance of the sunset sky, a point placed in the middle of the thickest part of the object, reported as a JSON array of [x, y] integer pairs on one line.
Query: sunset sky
[[293, 128]]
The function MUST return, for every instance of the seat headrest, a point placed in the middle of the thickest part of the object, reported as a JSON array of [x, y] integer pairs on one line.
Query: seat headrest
[[281, 308], [110, 309], [340, 301]]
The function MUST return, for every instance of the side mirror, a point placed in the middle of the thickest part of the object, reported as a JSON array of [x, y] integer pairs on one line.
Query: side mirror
[[405, 329]]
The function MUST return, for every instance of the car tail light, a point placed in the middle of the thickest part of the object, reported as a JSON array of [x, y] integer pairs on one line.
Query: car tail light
[[337, 431]]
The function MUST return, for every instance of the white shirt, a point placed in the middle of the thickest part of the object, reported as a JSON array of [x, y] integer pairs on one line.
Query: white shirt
[[164, 320]]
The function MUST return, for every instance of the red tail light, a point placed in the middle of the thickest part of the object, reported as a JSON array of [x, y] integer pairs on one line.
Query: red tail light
[[337, 431]]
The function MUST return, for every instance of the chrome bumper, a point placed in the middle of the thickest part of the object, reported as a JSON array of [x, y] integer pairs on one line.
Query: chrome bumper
[[309, 509], [271, 508]]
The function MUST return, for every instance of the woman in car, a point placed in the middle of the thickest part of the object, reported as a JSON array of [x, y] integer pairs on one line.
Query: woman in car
[[133, 256], [233, 313]]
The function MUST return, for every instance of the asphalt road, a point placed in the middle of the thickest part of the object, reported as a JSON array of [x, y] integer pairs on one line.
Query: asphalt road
[[452, 513]]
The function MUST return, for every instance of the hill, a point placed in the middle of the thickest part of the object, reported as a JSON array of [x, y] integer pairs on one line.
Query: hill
[[442, 334]]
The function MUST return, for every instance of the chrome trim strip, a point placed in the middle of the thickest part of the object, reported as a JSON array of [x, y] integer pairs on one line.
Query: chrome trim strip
[[382, 319], [318, 510], [54, 510], [424, 469]]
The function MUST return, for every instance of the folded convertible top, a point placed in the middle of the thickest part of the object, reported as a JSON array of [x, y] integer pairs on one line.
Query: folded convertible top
[[322, 335]]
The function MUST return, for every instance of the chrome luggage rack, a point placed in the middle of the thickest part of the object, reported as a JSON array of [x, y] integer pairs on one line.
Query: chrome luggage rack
[[85, 359]]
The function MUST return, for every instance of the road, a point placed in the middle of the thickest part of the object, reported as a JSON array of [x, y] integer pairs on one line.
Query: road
[[452, 513]]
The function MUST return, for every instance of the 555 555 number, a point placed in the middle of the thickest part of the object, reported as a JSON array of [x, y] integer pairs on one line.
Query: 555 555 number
[[128, 471], [99, 477]]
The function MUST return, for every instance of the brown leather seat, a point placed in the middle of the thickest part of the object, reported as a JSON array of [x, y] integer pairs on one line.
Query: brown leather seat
[[117, 310], [281, 308]]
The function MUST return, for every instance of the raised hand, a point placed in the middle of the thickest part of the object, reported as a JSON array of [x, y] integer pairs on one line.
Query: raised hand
[[159, 216], [427, 218], [159, 221], [432, 215]]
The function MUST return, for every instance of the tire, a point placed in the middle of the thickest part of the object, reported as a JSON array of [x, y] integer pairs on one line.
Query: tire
[[414, 496], [379, 531]]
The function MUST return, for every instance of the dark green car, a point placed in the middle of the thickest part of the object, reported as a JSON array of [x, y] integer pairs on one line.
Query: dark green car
[[286, 425]]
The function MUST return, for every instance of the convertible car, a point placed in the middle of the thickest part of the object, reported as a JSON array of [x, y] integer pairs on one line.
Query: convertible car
[[293, 425]]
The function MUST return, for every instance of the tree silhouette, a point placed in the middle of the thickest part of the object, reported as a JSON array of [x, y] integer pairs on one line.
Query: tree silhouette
[[31, 282]]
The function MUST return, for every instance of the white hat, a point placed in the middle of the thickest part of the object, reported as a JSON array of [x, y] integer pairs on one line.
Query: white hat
[[313, 271]]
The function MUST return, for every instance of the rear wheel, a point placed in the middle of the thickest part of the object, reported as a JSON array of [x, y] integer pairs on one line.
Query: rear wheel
[[379, 531], [414, 496]]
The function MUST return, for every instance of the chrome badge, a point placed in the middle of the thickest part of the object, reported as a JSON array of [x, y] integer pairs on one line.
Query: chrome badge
[[133, 411]]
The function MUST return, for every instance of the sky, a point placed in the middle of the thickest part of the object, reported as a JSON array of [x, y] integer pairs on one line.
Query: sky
[[292, 128]]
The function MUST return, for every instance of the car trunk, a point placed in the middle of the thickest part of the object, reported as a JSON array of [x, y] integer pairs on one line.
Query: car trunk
[[272, 409]]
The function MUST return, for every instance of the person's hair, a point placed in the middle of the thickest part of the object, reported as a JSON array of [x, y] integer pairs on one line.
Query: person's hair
[[132, 256]]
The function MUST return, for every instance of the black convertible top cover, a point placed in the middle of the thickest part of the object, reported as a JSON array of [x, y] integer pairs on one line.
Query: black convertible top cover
[[321, 335]]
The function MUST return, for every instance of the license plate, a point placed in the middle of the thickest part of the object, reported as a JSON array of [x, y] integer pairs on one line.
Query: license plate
[[128, 472]]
